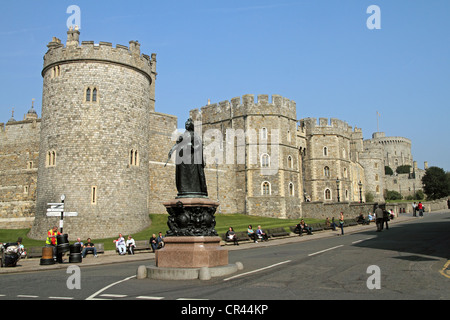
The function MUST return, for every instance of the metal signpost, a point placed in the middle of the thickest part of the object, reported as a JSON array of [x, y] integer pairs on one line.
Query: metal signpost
[[57, 210]]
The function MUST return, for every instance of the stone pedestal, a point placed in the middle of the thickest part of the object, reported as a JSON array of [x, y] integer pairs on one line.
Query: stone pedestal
[[191, 252], [191, 217]]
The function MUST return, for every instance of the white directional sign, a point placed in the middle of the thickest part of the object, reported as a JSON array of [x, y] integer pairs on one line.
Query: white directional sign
[[57, 210]]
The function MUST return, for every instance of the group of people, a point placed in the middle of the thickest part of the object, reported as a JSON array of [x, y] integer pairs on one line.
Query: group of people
[[123, 246], [332, 224], [418, 207], [255, 235], [157, 242]]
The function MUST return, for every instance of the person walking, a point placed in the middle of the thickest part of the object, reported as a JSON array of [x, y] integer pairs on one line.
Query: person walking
[[379, 218]]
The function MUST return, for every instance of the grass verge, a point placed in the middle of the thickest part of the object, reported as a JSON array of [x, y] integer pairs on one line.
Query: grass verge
[[239, 222]]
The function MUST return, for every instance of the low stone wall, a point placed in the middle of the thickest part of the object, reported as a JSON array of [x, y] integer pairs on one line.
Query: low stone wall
[[323, 210]]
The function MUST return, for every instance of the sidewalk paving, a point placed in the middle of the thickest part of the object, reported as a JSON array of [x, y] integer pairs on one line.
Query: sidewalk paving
[[111, 257]]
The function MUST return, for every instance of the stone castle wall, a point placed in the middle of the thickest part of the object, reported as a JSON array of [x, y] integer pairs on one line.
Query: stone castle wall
[[19, 145], [101, 144]]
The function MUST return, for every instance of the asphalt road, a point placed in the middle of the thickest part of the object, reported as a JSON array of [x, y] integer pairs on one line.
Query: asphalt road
[[406, 262]]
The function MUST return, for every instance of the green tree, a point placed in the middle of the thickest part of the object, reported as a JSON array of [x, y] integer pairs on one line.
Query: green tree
[[388, 171], [403, 169], [436, 183], [393, 195]]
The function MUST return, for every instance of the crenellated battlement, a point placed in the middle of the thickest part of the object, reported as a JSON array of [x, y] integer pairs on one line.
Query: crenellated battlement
[[247, 105], [328, 126], [131, 56]]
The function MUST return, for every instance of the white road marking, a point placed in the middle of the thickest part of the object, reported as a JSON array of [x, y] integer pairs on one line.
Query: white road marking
[[92, 297], [257, 270], [149, 298], [61, 298], [313, 254], [26, 296], [113, 295]]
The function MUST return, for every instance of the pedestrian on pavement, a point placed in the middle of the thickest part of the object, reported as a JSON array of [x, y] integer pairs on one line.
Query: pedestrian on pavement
[[341, 222], [51, 239], [379, 218]]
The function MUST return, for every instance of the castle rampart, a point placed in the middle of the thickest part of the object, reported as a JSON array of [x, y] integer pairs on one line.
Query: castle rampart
[[131, 57], [247, 106]]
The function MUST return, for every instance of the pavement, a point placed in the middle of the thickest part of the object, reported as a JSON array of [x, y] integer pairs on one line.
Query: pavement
[[111, 257]]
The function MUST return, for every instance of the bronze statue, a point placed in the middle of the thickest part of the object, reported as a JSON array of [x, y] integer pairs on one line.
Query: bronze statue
[[189, 161]]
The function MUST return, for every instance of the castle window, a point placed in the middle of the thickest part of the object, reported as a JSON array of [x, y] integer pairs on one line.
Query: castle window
[[327, 194], [266, 189], [56, 71], [30, 165], [289, 136], [291, 189], [345, 173], [91, 94], [326, 172], [265, 160], [325, 151], [290, 162], [134, 158], [50, 160], [94, 195], [264, 134]]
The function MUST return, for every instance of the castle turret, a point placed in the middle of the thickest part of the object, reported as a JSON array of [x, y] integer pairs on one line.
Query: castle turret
[[94, 149]]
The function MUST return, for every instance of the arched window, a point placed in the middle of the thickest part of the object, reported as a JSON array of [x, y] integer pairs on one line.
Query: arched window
[[325, 151], [290, 162], [134, 158], [291, 189], [50, 159], [327, 194], [91, 94], [326, 172], [264, 133], [266, 188], [265, 160]]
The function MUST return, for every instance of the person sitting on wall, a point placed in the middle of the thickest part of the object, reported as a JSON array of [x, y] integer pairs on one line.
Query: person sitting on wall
[[331, 224], [231, 236], [131, 245], [251, 233], [120, 245], [261, 234], [160, 241], [305, 227], [153, 243], [88, 247], [362, 220]]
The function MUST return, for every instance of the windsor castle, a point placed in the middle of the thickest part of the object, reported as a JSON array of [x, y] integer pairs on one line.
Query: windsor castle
[[101, 143]]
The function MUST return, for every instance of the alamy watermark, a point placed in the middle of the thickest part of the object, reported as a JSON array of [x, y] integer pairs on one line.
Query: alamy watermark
[[374, 281], [374, 21], [74, 21], [235, 146], [74, 281]]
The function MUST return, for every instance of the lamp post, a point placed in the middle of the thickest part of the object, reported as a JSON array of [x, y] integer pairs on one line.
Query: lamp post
[[337, 185], [360, 191]]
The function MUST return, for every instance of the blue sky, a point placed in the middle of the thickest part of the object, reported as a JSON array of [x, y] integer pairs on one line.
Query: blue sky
[[318, 53]]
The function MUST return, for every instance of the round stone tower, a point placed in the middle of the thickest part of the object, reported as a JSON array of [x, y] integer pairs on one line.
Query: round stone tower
[[96, 105]]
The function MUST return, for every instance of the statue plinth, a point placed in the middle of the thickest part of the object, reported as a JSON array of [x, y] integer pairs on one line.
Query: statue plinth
[[192, 241], [191, 252], [191, 217]]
